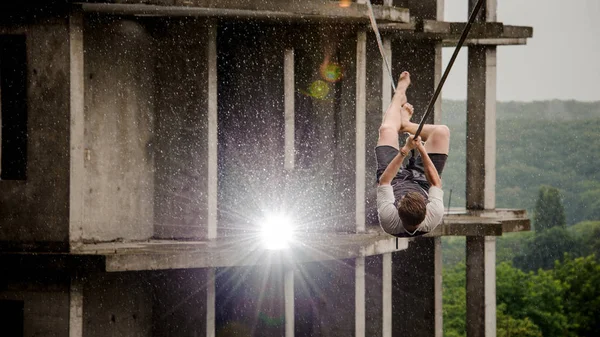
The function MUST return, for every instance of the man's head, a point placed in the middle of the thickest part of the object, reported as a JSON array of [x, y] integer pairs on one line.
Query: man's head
[[412, 209]]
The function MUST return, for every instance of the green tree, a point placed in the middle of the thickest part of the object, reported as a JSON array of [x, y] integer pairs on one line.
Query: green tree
[[549, 211], [544, 248], [508, 326], [581, 298], [534, 297], [454, 300]]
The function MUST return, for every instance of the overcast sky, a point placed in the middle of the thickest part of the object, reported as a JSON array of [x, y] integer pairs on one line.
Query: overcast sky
[[561, 61]]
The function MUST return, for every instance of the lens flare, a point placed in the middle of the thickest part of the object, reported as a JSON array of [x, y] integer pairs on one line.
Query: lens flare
[[345, 3], [318, 89], [276, 231], [332, 72]]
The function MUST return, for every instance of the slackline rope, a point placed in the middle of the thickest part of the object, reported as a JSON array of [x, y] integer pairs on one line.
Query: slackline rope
[[380, 44]]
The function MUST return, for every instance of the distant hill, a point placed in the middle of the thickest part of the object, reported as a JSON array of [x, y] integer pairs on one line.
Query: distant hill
[[454, 112], [554, 143]]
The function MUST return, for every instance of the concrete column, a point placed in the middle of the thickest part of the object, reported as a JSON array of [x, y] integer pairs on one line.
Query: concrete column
[[481, 128], [361, 112], [76, 147], [387, 295], [437, 111], [288, 289], [212, 132], [359, 300], [481, 180], [487, 13], [210, 303], [481, 286], [386, 81], [76, 307], [289, 93], [437, 286]]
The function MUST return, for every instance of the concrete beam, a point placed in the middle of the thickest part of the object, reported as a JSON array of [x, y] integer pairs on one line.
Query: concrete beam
[[487, 42], [295, 11], [225, 252], [482, 33]]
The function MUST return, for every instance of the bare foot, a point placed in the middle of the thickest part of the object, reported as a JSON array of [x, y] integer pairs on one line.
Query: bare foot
[[404, 81], [406, 112]]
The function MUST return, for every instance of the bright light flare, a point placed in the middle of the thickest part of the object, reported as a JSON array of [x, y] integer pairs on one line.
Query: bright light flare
[[345, 3], [277, 231]]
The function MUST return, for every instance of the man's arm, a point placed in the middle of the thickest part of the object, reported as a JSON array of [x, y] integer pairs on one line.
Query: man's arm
[[393, 167], [431, 172]]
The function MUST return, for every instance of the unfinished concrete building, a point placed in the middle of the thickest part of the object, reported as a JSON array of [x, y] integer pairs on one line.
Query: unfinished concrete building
[[144, 141]]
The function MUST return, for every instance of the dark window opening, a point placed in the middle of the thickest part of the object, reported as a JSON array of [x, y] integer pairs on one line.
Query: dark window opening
[[13, 105], [11, 318]]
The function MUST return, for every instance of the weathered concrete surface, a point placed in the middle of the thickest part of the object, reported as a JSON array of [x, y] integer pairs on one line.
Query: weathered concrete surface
[[117, 305], [325, 299], [180, 136], [373, 121], [481, 129], [250, 301], [481, 286], [45, 300], [271, 10], [251, 129], [226, 252], [423, 9], [119, 125], [374, 295], [413, 293], [34, 212], [179, 304]]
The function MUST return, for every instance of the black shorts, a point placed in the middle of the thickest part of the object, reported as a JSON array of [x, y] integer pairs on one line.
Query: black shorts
[[385, 153]]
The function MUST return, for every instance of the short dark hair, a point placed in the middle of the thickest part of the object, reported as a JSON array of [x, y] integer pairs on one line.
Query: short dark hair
[[412, 209]]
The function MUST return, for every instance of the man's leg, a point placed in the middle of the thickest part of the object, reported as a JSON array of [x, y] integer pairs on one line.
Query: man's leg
[[392, 119], [436, 137]]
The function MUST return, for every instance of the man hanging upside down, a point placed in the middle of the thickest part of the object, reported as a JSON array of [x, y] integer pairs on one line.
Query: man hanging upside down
[[409, 197]]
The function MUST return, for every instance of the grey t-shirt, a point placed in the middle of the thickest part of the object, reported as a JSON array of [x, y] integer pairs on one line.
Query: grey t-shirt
[[388, 213]]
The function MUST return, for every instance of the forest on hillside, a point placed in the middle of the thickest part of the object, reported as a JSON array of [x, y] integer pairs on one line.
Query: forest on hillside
[[537, 144], [547, 280]]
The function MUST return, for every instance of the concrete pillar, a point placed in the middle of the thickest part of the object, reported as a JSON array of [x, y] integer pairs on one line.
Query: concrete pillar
[[359, 300], [481, 128], [386, 81], [423, 9], [387, 295], [76, 147], [481, 286], [288, 290], [289, 93], [76, 307], [212, 132], [211, 303], [437, 286], [414, 289], [481, 180], [361, 108], [386, 98]]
